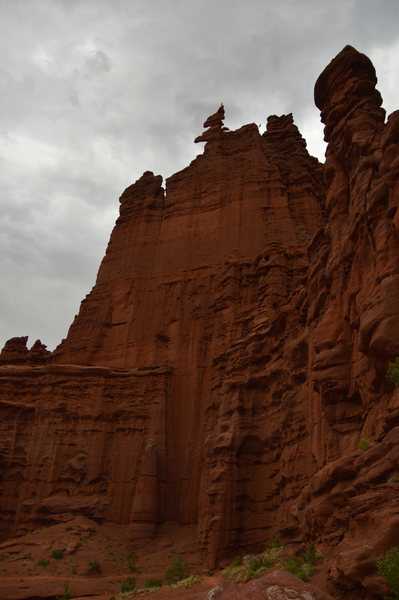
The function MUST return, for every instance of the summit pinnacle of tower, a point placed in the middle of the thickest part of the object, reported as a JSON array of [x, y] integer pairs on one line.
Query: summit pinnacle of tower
[[215, 124]]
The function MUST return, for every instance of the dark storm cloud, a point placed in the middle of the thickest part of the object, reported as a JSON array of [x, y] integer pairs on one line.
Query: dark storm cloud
[[94, 92]]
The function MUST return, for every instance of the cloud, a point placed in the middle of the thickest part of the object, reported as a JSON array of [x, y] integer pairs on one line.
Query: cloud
[[94, 93]]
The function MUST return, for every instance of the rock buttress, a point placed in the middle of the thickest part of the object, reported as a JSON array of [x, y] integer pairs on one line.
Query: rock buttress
[[201, 279], [352, 292]]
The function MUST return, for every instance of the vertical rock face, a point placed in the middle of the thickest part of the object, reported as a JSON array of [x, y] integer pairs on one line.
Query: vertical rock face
[[200, 279], [233, 349], [353, 323]]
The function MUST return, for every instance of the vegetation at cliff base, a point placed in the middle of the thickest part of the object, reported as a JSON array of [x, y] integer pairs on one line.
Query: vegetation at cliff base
[[187, 582], [177, 571], [388, 567], [67, 592], [152, 583], [127, 586], [251, 566]]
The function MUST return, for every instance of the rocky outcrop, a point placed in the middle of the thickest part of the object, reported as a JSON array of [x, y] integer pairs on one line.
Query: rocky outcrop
[[215, 127], [15, 352], [233, 350], [352, 321], [276, 585]]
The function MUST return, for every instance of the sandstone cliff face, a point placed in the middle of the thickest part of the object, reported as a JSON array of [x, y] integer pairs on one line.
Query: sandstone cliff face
[[81, 440], [233, 350], [352, 319], [199, 280]]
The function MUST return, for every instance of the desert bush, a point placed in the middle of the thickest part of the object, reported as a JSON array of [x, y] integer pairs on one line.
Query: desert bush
[[247, 567], [303, 566], [256, 564], [274, 540], [127, 586], [388, 567], [251, 566], [312, 556], [67, 592], [364, 444], [392, 372], [153, 583], [42, 562], [187, 582], [177, 571], [131, 563], [58, 553], [94, 567], [298, 567]]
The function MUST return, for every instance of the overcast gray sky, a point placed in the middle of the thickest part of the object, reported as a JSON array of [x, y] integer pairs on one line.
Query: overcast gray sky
[[95, 92]]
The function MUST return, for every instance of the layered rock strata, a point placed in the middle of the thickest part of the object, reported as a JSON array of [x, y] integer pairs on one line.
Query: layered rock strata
[[239, 331], [81, 440]]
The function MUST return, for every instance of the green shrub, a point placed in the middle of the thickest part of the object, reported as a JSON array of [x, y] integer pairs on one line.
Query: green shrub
[[94, 567], [312, 556], [42, 562], [298, 567], [128, 585], [256, 564], [392, 372], [177, 571], [67, 592], [364, 444], [187, 582], [131, 563], [58, 553], [152, 583], [248, 566], [303, 566], [274, 540], [388, 567]]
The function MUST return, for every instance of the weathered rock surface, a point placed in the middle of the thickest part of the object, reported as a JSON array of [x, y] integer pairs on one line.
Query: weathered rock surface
[[233, 351], [15, 352], [74, 441], [276, 585]]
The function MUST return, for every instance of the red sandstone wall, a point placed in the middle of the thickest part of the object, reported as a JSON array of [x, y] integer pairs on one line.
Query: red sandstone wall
[[269, 286], [200, 280], [81, 440]]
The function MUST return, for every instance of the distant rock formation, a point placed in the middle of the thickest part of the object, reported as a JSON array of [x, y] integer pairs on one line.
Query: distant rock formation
[[232, 352], [15, 352]]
